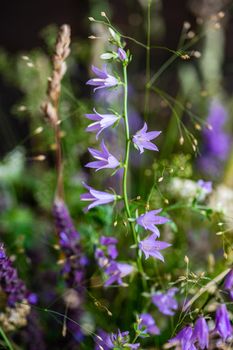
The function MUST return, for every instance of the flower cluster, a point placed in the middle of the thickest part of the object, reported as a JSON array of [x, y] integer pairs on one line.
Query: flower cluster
[[189, 338], [119, 340], [15, 294], [106, 255]]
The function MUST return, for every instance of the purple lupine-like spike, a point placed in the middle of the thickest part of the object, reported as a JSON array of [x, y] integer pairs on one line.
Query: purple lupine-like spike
[[101, 122], [149, 221], [201, 333], [228, 284], [185, 339], [222, 323], [103, 80], [142, 139], [151, 247], [73, 268], [165, 302], [96, 197], [10, 284], [104, 158], [148, 322]]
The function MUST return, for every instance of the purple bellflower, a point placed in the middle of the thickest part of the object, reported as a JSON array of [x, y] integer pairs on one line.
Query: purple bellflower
[[148, 323], [151, 247], [96, 197], [142, 139], [185, 339], [165, 302], [201, 333], [228, 284], [222, 322], [104, 158], [149, 221], [103, 80], [101, 121]]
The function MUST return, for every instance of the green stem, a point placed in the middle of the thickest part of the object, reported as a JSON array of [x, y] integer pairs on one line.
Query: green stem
[[7, 341], [125, 176]]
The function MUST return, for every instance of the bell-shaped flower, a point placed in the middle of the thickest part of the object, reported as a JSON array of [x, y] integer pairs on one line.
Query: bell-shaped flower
[[165, 302], [101, 122], [104, 159], [151, 247], [222, 322], [185, 339], [149, 221], [201, 333], [103, 80], [142, 139], [228, 284], [96, 197]]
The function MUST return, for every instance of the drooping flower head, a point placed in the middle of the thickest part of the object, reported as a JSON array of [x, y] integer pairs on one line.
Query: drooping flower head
[[103, 80], [104, 158], [142, 139], [96, 197], [148, 323], [165, 302], [149, 221], [201, 333], [151, 247], [185, 339], [101, 121], [222, 322], [228, 284]]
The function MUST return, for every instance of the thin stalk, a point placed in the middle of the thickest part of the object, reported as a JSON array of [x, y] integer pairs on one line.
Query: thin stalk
[[148, 49], [7, 341], [125, 175]]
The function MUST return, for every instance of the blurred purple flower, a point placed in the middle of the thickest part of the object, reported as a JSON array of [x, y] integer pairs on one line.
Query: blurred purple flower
[[116, 271], [151, 247], [165, 302], [102, 121], [104, 158], [103, 341], [201, 333], [103, 80], [148, 322], [121, 54], [150, 219], [142, 139], [97, 197], [206, 186], [185, 339], [228, 284], [222, 322], [10, 284], [216, 141], [121, 340]]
